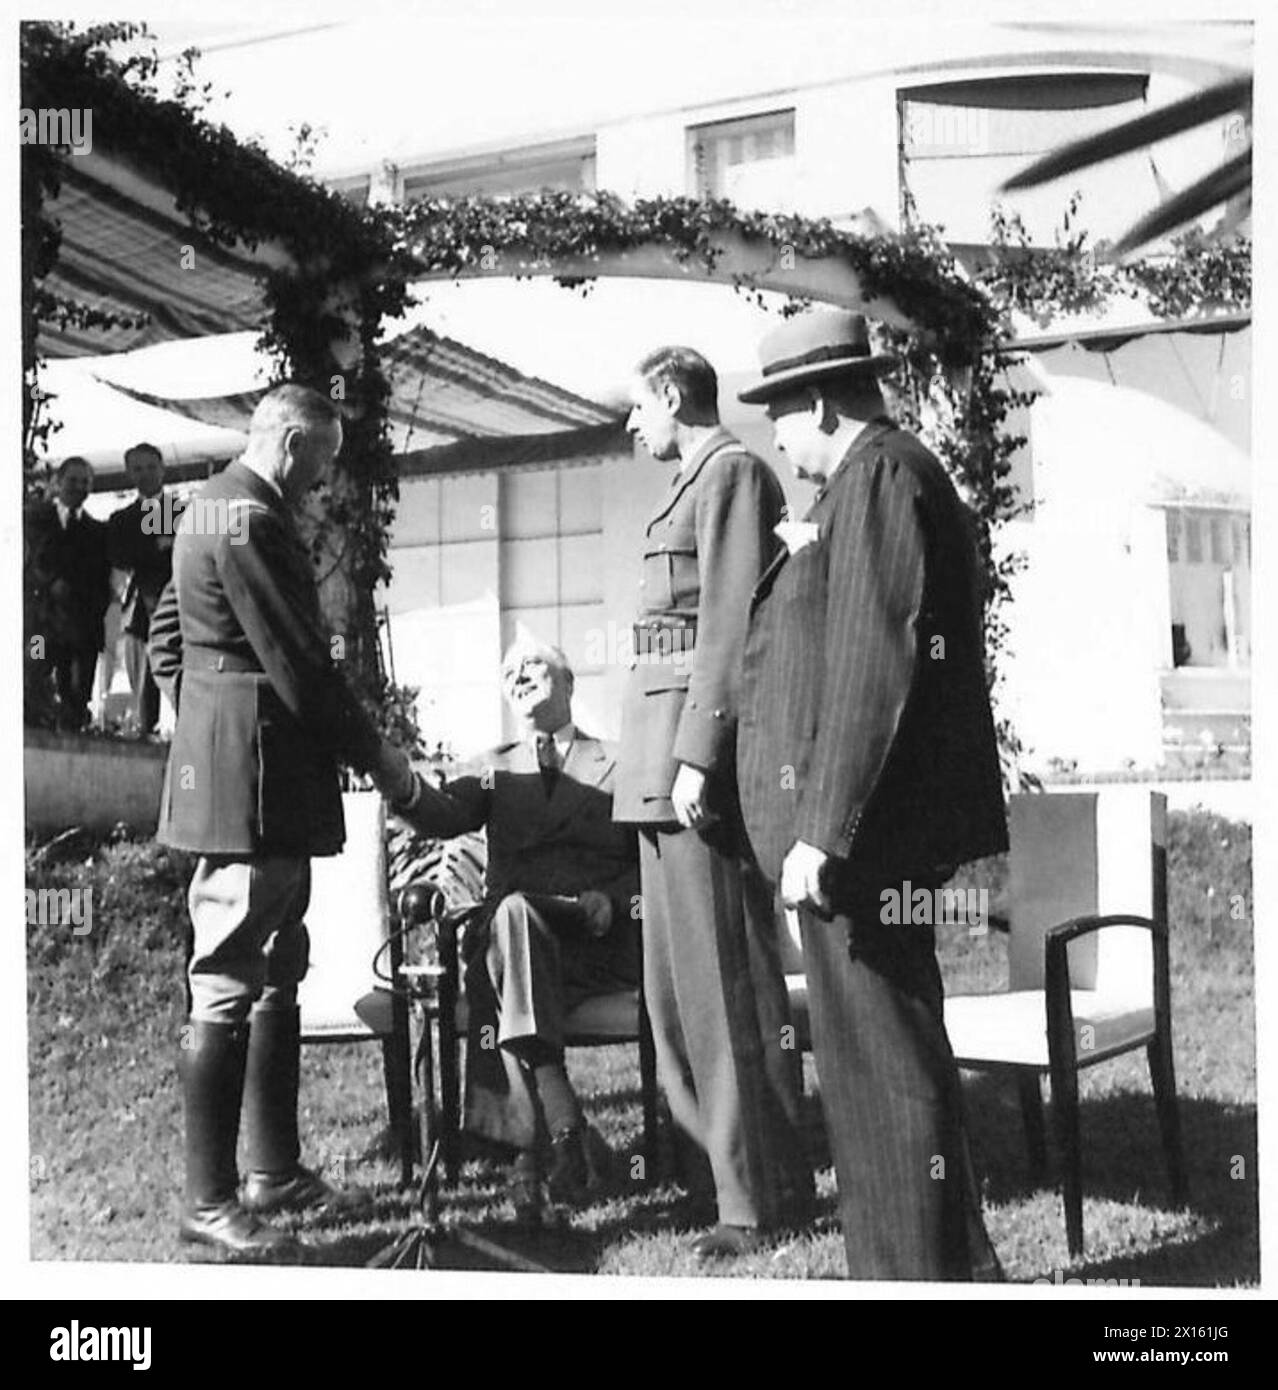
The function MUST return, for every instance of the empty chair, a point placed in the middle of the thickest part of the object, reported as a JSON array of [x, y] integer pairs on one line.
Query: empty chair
[[1087, 967]]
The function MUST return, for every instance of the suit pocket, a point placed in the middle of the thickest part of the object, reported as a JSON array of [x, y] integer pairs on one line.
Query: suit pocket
[[662, 675], [658, 585]]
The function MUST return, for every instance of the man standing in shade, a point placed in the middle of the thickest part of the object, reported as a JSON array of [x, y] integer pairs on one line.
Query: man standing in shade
[[263, 720], [712, 969], [140, 541], [68, 588], [867, 757]]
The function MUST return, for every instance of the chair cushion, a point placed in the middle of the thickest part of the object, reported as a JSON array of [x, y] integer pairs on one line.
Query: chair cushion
[[605, 1016], [614, 1017], [375, 1011], [1012, 1027]]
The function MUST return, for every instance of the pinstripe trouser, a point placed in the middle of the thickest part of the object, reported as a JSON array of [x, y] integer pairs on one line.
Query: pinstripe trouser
[[720, 1020], [891, 1095]]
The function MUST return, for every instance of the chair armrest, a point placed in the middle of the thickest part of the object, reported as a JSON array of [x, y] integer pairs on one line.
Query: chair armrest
[[1059, 936], [1060, 1010]]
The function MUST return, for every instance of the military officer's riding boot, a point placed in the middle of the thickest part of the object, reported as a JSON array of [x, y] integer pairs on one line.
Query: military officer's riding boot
[[211, 1067], [276, 1180]]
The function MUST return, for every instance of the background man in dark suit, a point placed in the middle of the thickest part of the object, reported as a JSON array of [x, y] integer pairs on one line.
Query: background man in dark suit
[[263, 719], [141, 546], [712, 968], [868, 757], [68, 588], [560, 923]]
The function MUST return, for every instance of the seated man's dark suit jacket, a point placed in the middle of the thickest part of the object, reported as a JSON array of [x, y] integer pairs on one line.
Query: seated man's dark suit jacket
[[542, 847]]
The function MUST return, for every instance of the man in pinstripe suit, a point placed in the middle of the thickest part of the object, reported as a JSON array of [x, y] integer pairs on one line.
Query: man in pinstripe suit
[[866, 757]]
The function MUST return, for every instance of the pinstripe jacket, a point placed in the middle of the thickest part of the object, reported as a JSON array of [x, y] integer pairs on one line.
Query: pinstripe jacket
[[263, 715], [865, 724]]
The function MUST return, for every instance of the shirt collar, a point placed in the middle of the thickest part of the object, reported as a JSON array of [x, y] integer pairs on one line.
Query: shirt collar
[[870, 429], [563, 739], [64, 512], [717, 437]]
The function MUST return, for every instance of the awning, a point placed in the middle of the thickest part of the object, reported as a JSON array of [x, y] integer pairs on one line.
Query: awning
[[127, 250], [441, 392]]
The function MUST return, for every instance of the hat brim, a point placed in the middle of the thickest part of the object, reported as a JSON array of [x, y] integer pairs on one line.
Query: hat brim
[[877, 363]]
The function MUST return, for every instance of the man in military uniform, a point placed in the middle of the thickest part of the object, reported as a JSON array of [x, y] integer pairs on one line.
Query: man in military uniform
[[263, 719], [712, 969]]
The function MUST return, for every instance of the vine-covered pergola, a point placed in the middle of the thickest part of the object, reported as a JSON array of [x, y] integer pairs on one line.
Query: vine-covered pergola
[[333, 276]]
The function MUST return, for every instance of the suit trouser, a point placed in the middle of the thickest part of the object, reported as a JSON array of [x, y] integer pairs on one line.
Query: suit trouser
[[146, 694], [892, 1100], [249, 943], [534, 967], [720, 1016], [73, 671]]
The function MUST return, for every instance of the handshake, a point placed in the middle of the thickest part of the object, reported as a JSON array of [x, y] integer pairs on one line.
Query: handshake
[[393, 775]]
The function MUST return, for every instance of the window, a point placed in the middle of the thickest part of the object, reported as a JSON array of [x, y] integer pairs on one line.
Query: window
[[750, 160], [479, 557], [1173, 536], [564, 165], [959, 141], [1219, 541], [1193, 540], [1242, 542]]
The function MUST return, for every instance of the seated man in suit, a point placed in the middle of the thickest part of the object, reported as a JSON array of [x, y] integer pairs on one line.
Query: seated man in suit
[[559, 923]]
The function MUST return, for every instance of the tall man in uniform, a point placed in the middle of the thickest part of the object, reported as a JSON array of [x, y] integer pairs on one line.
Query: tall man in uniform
[[867, 758], [263, 719], [712, 969]]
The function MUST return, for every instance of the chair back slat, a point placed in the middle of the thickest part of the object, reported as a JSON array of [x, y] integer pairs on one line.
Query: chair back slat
[[1076, 854], [347, 921]]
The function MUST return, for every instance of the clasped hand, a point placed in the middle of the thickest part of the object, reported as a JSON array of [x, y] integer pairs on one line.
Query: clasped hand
[[393, 774]]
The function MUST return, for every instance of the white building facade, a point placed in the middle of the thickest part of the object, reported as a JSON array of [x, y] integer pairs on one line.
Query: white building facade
[[1130, 643]]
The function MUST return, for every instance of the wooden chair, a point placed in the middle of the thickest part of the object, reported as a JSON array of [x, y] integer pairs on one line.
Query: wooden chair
[[351, 923], [1088, 969]]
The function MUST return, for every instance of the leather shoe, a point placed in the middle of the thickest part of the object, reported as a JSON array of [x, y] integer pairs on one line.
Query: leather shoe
[[227, 1226], [568, 1177], [526, 1188], [300, 1190], [724, 1242]]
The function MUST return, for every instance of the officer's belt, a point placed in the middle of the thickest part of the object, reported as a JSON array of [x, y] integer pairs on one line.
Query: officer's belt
[[663, 636], [211, 659]]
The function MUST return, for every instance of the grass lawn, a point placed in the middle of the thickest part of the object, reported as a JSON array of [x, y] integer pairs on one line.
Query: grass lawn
[[105, 1008]]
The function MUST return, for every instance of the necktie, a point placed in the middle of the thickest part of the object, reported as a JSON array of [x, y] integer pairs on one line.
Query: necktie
[[547, 760]]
